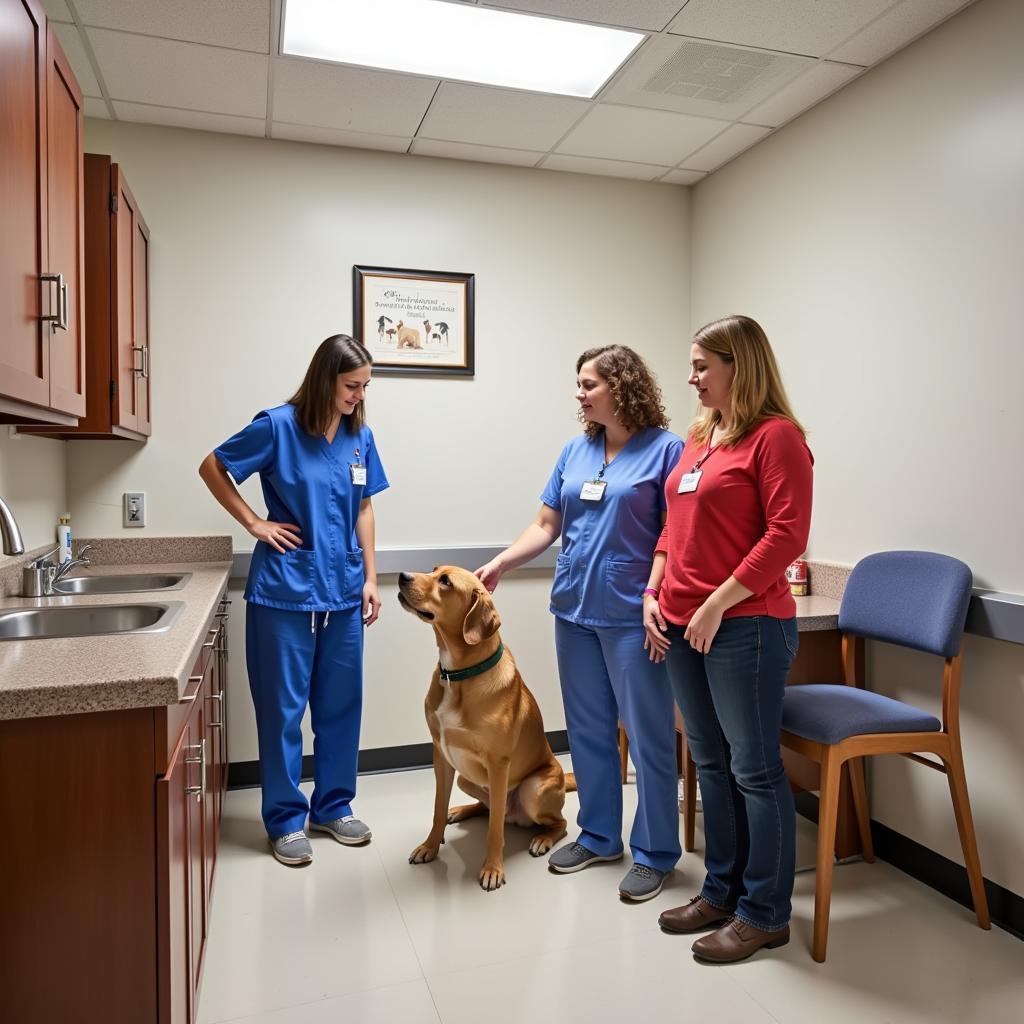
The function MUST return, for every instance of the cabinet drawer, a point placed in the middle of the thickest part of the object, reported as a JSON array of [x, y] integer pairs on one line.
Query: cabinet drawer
[[170, 721]]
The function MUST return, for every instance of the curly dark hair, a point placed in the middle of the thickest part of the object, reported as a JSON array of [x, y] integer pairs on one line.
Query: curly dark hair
[[634, 388]]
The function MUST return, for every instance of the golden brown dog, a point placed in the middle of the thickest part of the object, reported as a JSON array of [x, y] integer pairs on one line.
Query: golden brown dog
[[487, 727]]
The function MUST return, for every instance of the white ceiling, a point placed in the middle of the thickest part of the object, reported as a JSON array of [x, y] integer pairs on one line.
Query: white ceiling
[[712, 79]]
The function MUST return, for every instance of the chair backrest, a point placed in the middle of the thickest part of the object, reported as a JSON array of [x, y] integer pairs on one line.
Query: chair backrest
[[914, 598]]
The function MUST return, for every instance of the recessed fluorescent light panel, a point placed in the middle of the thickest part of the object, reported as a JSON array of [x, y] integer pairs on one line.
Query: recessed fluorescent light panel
[[467, 43]]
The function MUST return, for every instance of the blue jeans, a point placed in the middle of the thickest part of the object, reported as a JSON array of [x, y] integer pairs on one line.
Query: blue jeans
[[731, 700]]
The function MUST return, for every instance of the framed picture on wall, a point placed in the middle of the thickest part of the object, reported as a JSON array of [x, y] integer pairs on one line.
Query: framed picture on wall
[[414, 321]]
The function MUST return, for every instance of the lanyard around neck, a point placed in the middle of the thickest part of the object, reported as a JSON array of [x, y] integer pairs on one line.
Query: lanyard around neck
[[707, 455]]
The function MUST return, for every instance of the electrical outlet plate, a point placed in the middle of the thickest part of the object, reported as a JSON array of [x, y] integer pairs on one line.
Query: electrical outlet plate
[[134, 508]]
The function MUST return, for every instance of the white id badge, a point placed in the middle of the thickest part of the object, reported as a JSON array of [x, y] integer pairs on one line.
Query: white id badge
[[688, 482], [358, 475], [593, 490]]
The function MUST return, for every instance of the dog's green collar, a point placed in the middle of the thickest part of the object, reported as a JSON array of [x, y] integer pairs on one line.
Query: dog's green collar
[[474, 670]]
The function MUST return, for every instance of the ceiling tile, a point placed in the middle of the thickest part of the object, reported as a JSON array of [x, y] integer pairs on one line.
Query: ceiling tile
[[500, 117], [730, 143], [683, 177], [810, 27], [57, 10], [145, 114], [605, 168], [694, 76], [236, 24], [96, 107], [71, 42], [353, 99], [902, 25], [811, 87], [487, 154], [637, 135], [333, 137], [142, 69], [649, 15]]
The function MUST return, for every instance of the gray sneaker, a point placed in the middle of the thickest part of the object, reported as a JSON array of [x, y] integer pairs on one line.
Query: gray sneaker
[[348, 830], [575, 857], [641, 882], [293, 848]]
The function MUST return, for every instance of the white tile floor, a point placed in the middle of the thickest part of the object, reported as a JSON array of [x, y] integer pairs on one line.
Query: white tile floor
[[361, 935]]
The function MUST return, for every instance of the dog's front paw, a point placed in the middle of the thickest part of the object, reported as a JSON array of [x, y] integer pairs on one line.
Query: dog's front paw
[[424, 853], [540, 845], [492, 877]]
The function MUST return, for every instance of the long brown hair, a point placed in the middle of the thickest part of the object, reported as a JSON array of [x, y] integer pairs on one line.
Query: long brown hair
[[757, 391], [315, 402], [633, 387]]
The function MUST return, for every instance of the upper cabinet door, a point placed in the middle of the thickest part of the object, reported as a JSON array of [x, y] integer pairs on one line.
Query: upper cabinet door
[[129, 356], [24, 338], [65, 224], [140, 293]]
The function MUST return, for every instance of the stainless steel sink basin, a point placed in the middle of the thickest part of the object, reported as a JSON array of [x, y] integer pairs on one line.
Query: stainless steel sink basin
[[132, 583], [86, 620]]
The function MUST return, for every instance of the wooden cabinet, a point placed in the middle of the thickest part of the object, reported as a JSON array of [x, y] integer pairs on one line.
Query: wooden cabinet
[[110, 862], [116, 310], [42, 335]]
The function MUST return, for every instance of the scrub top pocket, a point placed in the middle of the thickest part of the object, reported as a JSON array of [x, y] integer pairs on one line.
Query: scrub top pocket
[[625, 582], [286, 578], [354, 577], [562, 596]]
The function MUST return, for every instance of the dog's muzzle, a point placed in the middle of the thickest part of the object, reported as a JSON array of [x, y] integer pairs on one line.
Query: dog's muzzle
[[409, 607]]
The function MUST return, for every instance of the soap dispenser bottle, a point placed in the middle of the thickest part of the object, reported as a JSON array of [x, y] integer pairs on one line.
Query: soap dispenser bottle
[[64, 538]]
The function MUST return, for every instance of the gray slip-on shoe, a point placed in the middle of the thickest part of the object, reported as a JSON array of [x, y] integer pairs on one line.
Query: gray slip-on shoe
[[576, 857], [293, 848], [641, 882], [348, 830]]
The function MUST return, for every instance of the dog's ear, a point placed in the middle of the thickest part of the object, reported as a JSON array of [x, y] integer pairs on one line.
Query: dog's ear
[[482, 619]]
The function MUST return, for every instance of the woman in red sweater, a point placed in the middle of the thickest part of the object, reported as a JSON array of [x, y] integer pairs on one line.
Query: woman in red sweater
[[719, 611]]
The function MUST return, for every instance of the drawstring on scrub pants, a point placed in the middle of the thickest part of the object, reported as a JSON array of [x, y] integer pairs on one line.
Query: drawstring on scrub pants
[[312, 621]]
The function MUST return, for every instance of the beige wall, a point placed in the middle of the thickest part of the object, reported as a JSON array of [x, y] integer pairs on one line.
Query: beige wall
[[253, 244], [878, 239], [32, 483]]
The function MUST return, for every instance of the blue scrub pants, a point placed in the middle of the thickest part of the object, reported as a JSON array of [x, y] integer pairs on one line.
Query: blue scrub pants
[[606, 675], [292, 665]]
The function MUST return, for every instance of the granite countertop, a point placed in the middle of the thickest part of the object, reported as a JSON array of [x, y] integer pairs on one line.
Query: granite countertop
[[816, 612], [112, 672]]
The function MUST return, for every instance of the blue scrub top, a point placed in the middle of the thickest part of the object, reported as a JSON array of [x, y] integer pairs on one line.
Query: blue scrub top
[[308, 482], [608, 546]]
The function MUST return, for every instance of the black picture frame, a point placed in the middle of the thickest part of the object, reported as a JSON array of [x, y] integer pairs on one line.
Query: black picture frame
[[415, 322]]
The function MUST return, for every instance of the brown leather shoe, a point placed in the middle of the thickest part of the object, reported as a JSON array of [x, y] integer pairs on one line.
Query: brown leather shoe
[[736, 941], [697, 915]]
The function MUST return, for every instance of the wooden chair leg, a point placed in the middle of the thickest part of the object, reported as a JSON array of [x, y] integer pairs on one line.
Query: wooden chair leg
[[623, 750], [965, 827], [855, 766], [828, 811], [689, 797]]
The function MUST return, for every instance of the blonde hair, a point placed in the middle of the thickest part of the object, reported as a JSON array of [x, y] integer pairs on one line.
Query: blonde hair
[[757, 391]]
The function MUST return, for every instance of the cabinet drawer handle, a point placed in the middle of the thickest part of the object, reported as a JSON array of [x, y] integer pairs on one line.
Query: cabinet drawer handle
[[198, 791]]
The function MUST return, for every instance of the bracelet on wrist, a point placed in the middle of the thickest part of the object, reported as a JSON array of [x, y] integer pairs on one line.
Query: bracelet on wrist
[[651, 591]]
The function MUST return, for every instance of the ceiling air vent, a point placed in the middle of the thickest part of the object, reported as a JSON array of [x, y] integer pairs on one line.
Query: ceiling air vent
[[693, 76], [719, 74]]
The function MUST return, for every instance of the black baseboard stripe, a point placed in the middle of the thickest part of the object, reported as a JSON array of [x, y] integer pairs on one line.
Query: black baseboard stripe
[[246, 774], [941, 873]]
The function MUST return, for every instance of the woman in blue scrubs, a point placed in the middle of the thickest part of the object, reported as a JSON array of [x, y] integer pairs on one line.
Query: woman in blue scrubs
[[606, 499], [312, 587]]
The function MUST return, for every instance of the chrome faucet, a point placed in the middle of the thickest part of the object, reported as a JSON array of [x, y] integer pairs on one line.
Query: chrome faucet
[[41, 575], [13, 544]]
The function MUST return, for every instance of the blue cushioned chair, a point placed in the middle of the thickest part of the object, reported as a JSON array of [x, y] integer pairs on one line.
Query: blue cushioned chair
[[916, 599]]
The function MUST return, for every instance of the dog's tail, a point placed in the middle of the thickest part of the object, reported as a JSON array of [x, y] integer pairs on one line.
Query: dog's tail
[[570, 782]]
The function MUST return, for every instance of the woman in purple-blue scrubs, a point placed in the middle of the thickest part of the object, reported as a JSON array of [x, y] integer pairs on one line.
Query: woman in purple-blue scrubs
[[312, 587]]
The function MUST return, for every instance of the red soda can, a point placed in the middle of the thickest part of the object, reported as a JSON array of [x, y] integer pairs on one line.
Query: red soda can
[[797, 576]]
